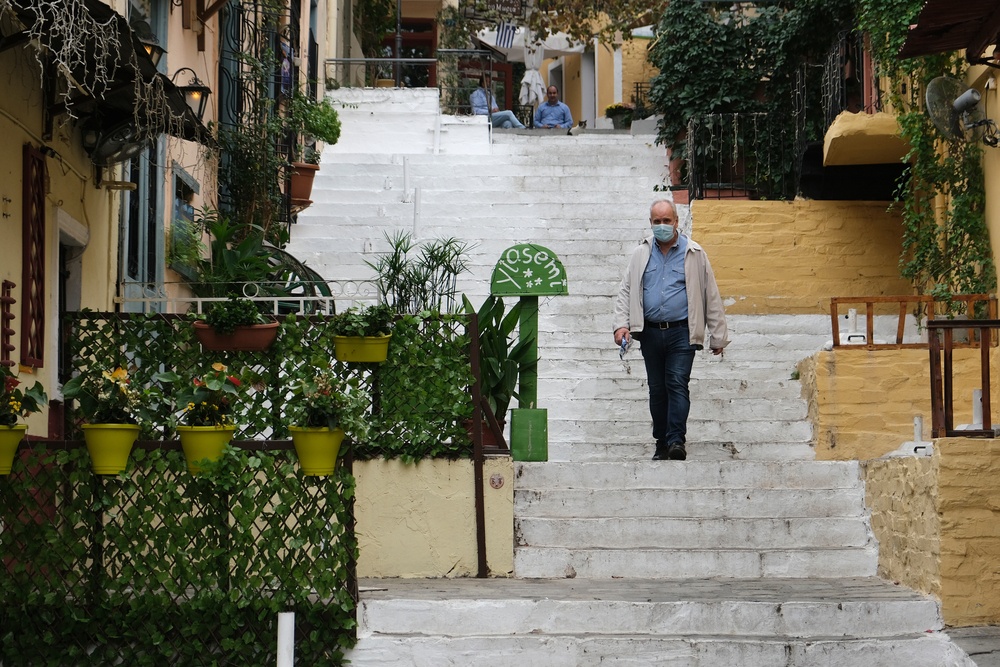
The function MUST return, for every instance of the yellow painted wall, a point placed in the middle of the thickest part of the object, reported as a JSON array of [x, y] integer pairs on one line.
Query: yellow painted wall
[[901, 494], [419, 520], [792, 257], [862, 403], [969, 505], [937, 521]]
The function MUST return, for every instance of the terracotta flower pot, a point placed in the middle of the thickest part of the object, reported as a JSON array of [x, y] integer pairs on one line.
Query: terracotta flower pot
[[255, 338]]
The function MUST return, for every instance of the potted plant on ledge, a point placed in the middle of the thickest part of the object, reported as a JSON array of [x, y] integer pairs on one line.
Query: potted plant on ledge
[[235, 325], [362, 334], [325, 408], [206, 405], [620, 115], [15, 403], [310, 121], [114, 410]]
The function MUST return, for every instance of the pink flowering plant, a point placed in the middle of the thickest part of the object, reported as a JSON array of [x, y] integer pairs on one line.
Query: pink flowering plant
[[108, 397], [206, 400], [17, 402]]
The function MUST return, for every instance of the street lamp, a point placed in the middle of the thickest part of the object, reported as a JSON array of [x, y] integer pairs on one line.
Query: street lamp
[[195, 92]]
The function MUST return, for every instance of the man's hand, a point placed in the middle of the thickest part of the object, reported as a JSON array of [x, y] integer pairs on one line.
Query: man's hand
[[716, 351], [621, 333]]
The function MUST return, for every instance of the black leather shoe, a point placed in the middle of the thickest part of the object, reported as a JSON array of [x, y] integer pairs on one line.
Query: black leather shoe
[[676, 452], [662, 452]]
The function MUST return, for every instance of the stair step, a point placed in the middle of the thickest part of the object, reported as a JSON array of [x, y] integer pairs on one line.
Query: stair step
[[685, 533], [642, 449], [688, 503], [683, 607], [532, 562], [586, 650], [690, 474]]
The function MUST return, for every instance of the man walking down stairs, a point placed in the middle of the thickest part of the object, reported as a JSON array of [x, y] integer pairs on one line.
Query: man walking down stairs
[[748, 553]]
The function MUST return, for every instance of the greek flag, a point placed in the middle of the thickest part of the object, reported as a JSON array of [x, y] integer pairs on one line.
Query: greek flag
[[505, 34]]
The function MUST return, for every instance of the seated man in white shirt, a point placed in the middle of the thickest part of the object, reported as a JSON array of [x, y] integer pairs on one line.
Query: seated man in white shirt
[[485, 104]]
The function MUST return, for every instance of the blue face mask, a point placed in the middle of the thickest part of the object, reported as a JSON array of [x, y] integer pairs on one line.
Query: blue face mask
[[663, 233]]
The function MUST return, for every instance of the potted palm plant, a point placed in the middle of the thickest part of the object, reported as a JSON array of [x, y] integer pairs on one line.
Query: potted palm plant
[[206, 405], [325, 408], [362, 333], [14, 403], [114, 410], [235, 324]]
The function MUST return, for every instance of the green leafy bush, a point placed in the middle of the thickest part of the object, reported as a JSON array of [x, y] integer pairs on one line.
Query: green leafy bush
[[373, 320], [226, 316]]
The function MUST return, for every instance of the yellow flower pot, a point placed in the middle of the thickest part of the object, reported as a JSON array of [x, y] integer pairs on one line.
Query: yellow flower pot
[[109, 446], [364, 349], [202, 443], [317, 448], [10, 438]]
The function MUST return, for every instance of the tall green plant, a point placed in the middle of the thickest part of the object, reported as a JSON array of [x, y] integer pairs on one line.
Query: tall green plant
[[426, 280], [947, 253], [501, 357]]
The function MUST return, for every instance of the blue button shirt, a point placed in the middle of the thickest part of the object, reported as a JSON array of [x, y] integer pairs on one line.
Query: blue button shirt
[[664, 298]]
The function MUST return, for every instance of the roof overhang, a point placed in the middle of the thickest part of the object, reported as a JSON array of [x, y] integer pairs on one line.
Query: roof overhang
[[862, 138], [945, 25]]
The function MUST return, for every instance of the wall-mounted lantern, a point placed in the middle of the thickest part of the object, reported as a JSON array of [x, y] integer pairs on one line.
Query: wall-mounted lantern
[[195, 92]]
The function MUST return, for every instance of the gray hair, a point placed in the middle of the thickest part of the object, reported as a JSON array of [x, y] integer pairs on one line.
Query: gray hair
[[656, 202]]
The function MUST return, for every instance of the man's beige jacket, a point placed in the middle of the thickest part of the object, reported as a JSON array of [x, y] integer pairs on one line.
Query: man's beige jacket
[[706, 316]]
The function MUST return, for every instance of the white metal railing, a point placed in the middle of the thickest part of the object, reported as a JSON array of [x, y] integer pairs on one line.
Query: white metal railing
[[308, 298]]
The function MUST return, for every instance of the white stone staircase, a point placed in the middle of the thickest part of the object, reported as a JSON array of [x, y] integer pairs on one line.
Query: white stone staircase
[[748, 553]]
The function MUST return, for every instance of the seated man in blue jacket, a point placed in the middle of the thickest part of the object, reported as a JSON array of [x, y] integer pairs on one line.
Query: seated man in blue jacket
[[552, 112], [485, 104]]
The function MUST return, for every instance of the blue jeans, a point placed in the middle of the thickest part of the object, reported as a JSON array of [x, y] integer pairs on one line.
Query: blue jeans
[[506, 119], [669, 356]]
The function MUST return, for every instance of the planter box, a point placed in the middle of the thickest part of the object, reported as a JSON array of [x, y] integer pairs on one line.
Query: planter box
[[253, 338]]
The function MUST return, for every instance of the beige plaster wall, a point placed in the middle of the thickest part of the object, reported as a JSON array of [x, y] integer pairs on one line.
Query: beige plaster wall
[[862, 403], [901, 494], [937, 521], [792, 257], [419, 520]]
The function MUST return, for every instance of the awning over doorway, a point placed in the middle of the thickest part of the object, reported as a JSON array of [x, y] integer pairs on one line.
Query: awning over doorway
[[944, 25]]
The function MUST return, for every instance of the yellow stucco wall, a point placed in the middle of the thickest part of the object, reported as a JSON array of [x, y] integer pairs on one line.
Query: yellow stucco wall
[[792, 257], [937, 521], [862, 403], [419, 520], [901, 493], [969, 505]]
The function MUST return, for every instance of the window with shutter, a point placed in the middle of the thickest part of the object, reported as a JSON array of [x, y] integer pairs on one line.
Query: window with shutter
[[33, 259]]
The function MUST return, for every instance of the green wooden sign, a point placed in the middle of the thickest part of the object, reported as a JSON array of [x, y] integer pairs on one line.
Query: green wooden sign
[[527, 269]]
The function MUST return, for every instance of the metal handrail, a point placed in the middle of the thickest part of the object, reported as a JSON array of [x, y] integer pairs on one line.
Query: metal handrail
[[905, 303], [942, 378]]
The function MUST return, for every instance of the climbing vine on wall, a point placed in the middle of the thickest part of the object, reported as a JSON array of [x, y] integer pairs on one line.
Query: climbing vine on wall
[[945, 252]]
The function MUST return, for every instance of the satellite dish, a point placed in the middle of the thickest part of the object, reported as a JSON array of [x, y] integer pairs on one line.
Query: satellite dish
[[954, 109], [113, 144]]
